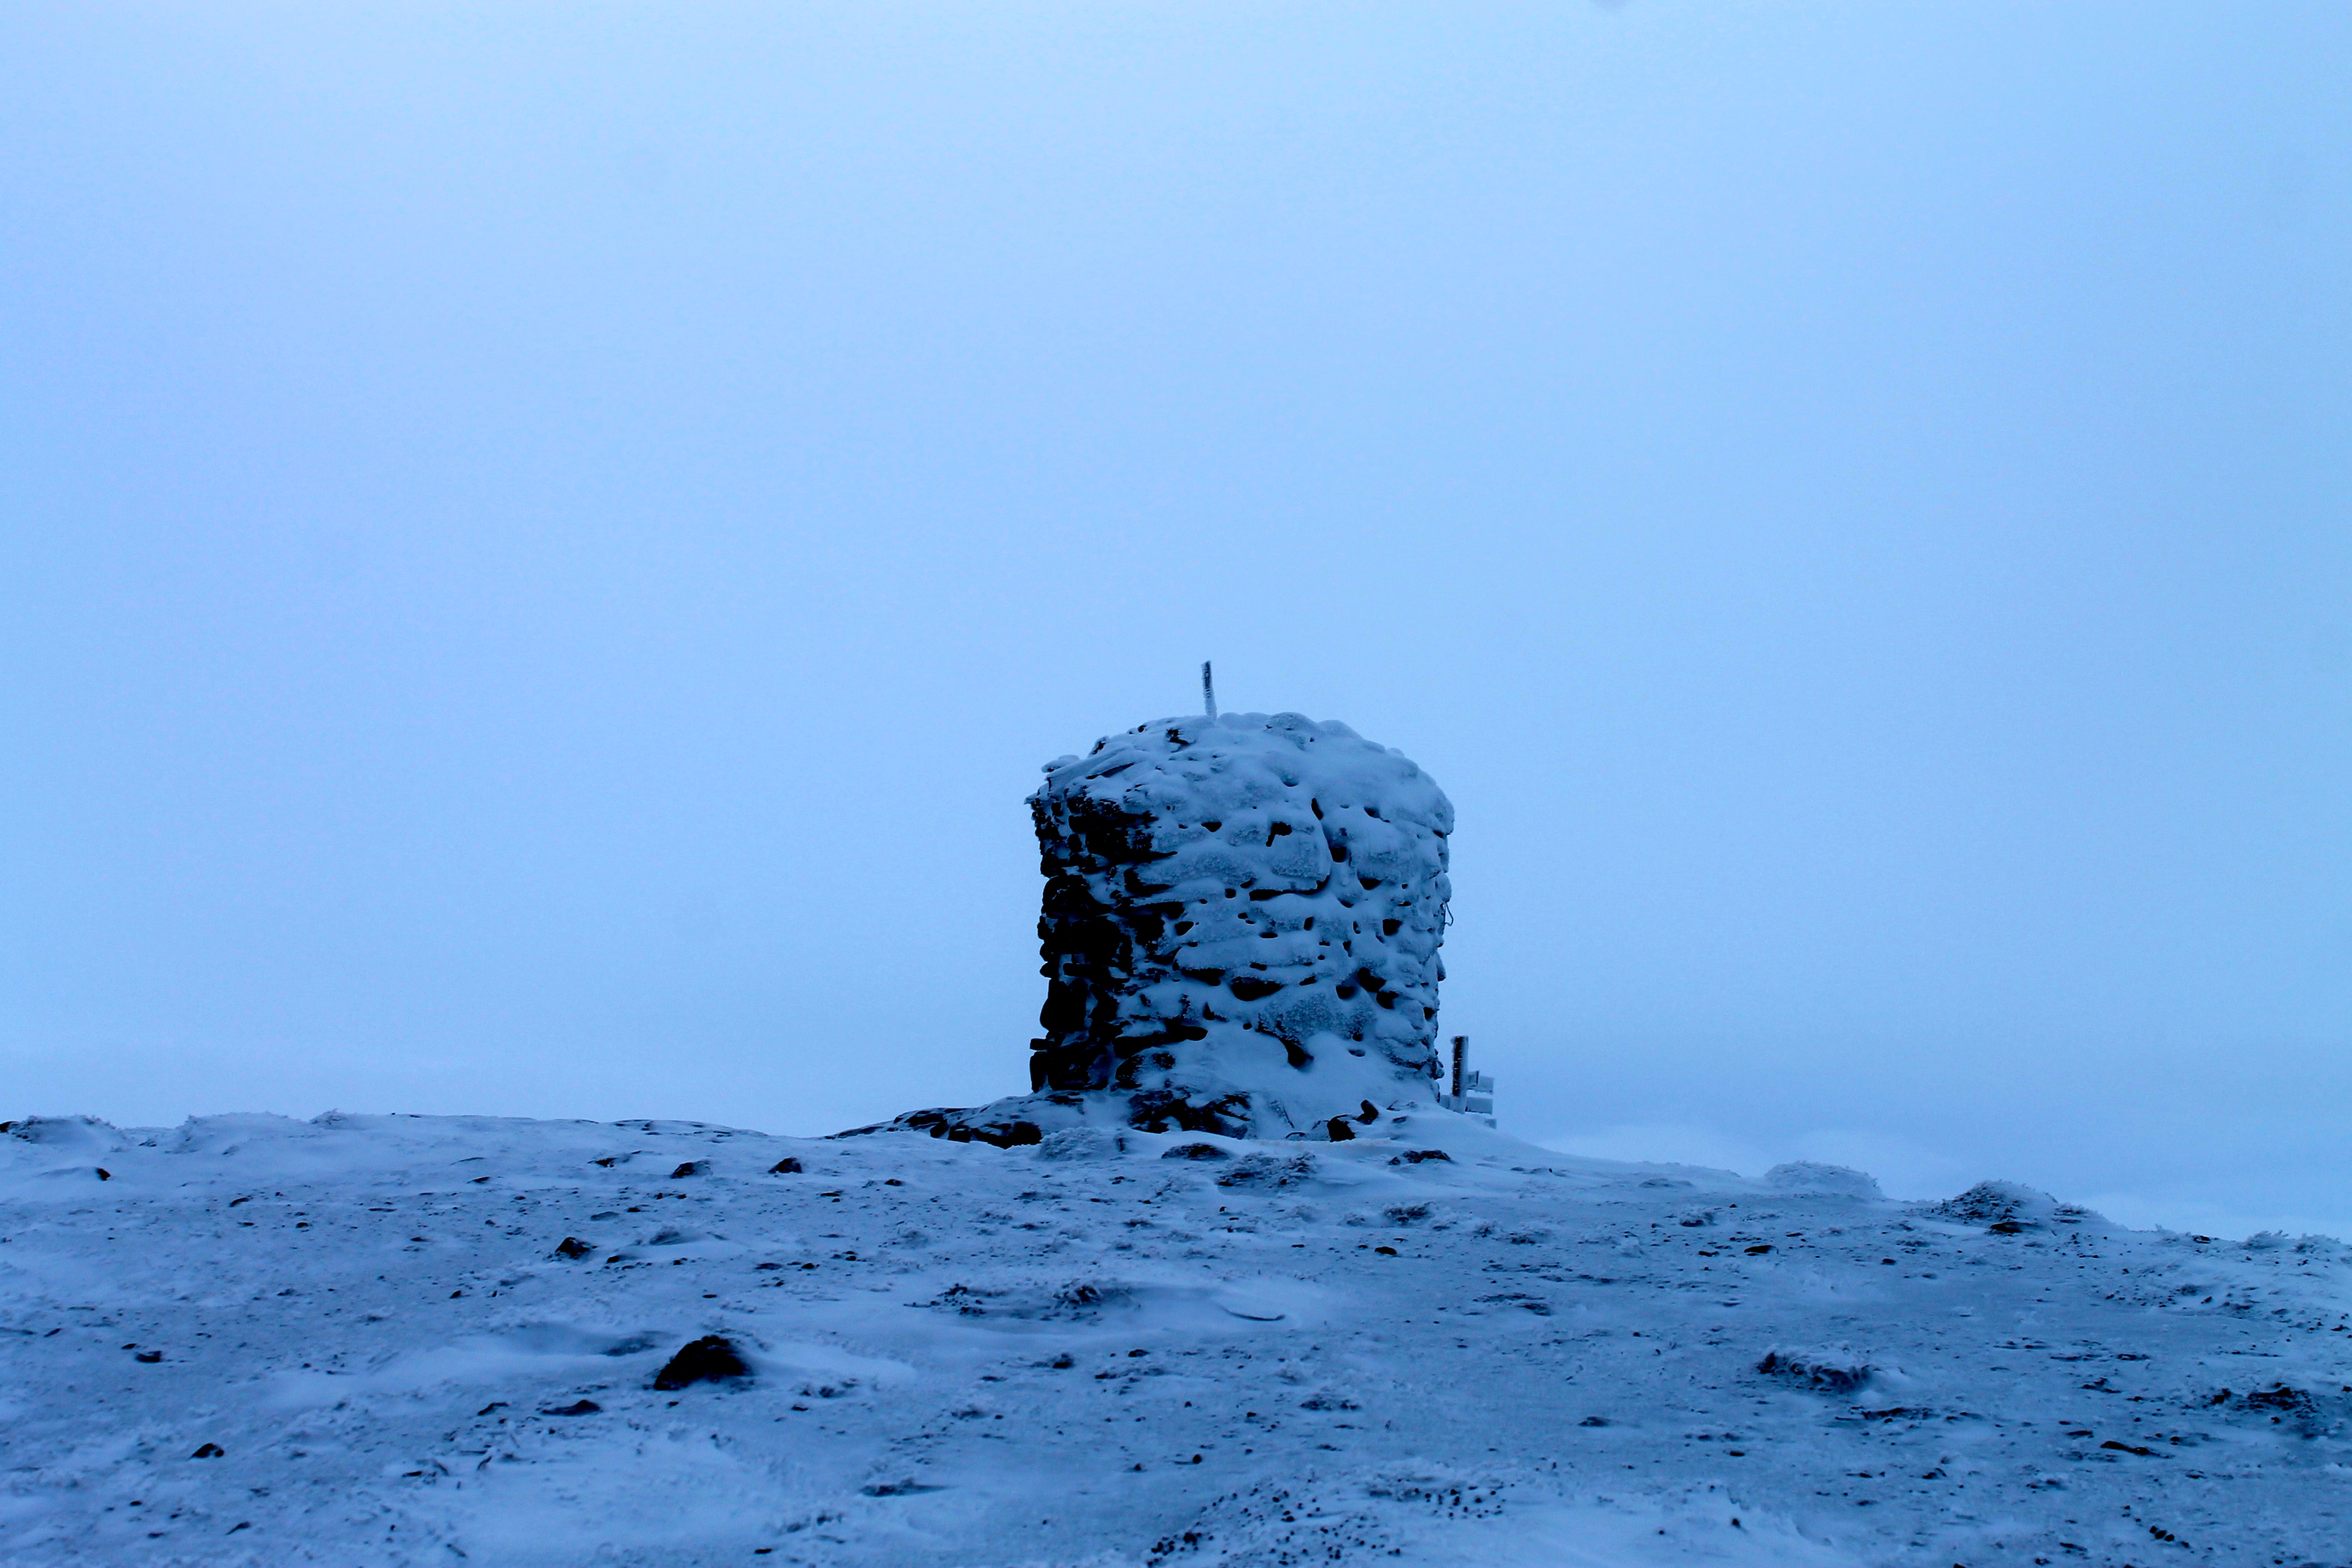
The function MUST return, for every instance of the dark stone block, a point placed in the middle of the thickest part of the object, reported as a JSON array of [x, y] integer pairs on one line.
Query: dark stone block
[[711, 1359]]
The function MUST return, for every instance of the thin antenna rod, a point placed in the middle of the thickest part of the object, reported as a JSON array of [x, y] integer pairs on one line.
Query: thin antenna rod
[[1208, 690]]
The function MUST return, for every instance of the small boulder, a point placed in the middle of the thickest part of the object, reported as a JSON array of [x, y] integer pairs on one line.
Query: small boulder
[[787, 1166], [210, 1451], [691, 1168], [708, 1359], [574, 1247]]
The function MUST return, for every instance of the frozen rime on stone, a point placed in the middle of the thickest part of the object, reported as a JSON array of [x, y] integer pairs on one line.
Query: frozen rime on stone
[[1240, 932]]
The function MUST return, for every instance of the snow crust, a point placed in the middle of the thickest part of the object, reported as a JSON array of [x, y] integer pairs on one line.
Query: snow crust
[[1430, 1344]]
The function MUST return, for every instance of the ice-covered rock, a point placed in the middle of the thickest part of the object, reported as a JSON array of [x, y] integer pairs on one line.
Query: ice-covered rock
[[1240, 930]]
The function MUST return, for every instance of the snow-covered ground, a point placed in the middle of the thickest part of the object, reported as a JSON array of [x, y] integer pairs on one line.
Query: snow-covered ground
[[1099, 1351]]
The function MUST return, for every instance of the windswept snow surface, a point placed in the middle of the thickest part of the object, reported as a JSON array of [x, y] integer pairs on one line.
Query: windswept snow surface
[[1122, 1349]]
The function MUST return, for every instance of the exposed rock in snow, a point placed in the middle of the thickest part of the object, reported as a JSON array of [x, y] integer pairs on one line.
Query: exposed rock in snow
[[711, 1359], [1240, 930], [1836, 1369], [2007, 1207], [358, 1342]]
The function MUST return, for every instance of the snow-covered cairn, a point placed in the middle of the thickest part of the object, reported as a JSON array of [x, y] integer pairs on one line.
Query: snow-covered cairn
[[1240, 932], [1240, 922]]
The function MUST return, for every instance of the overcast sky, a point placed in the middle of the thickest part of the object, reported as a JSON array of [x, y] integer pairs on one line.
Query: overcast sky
[[544, 546]]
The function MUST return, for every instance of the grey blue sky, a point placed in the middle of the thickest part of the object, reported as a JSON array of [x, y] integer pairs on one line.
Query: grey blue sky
[[543, 546]]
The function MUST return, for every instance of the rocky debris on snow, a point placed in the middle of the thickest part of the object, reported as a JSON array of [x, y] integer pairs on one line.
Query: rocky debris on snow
[[574, 1247], [2008, 1209], [963, 1300], [357, 1389], [1418, 1156], [1008, 1124], [210, 1451], [690, 1168], [712, 1358], [898, 1488], [2278, 1397], [1831, 1369], [787, 1166], [586, 1406], [1077, 1300], [1267, 1170], [2307, 1413], [1194, 1151]]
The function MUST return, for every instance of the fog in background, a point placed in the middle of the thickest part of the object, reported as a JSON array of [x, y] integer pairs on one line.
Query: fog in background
[[544, 545]]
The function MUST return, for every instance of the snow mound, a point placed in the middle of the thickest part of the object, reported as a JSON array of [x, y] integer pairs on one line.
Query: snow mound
[[1807, 1176], [1078, 1143], [68, 1134]]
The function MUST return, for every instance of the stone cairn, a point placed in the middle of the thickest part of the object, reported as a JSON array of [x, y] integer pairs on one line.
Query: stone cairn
[[1240, 933]]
